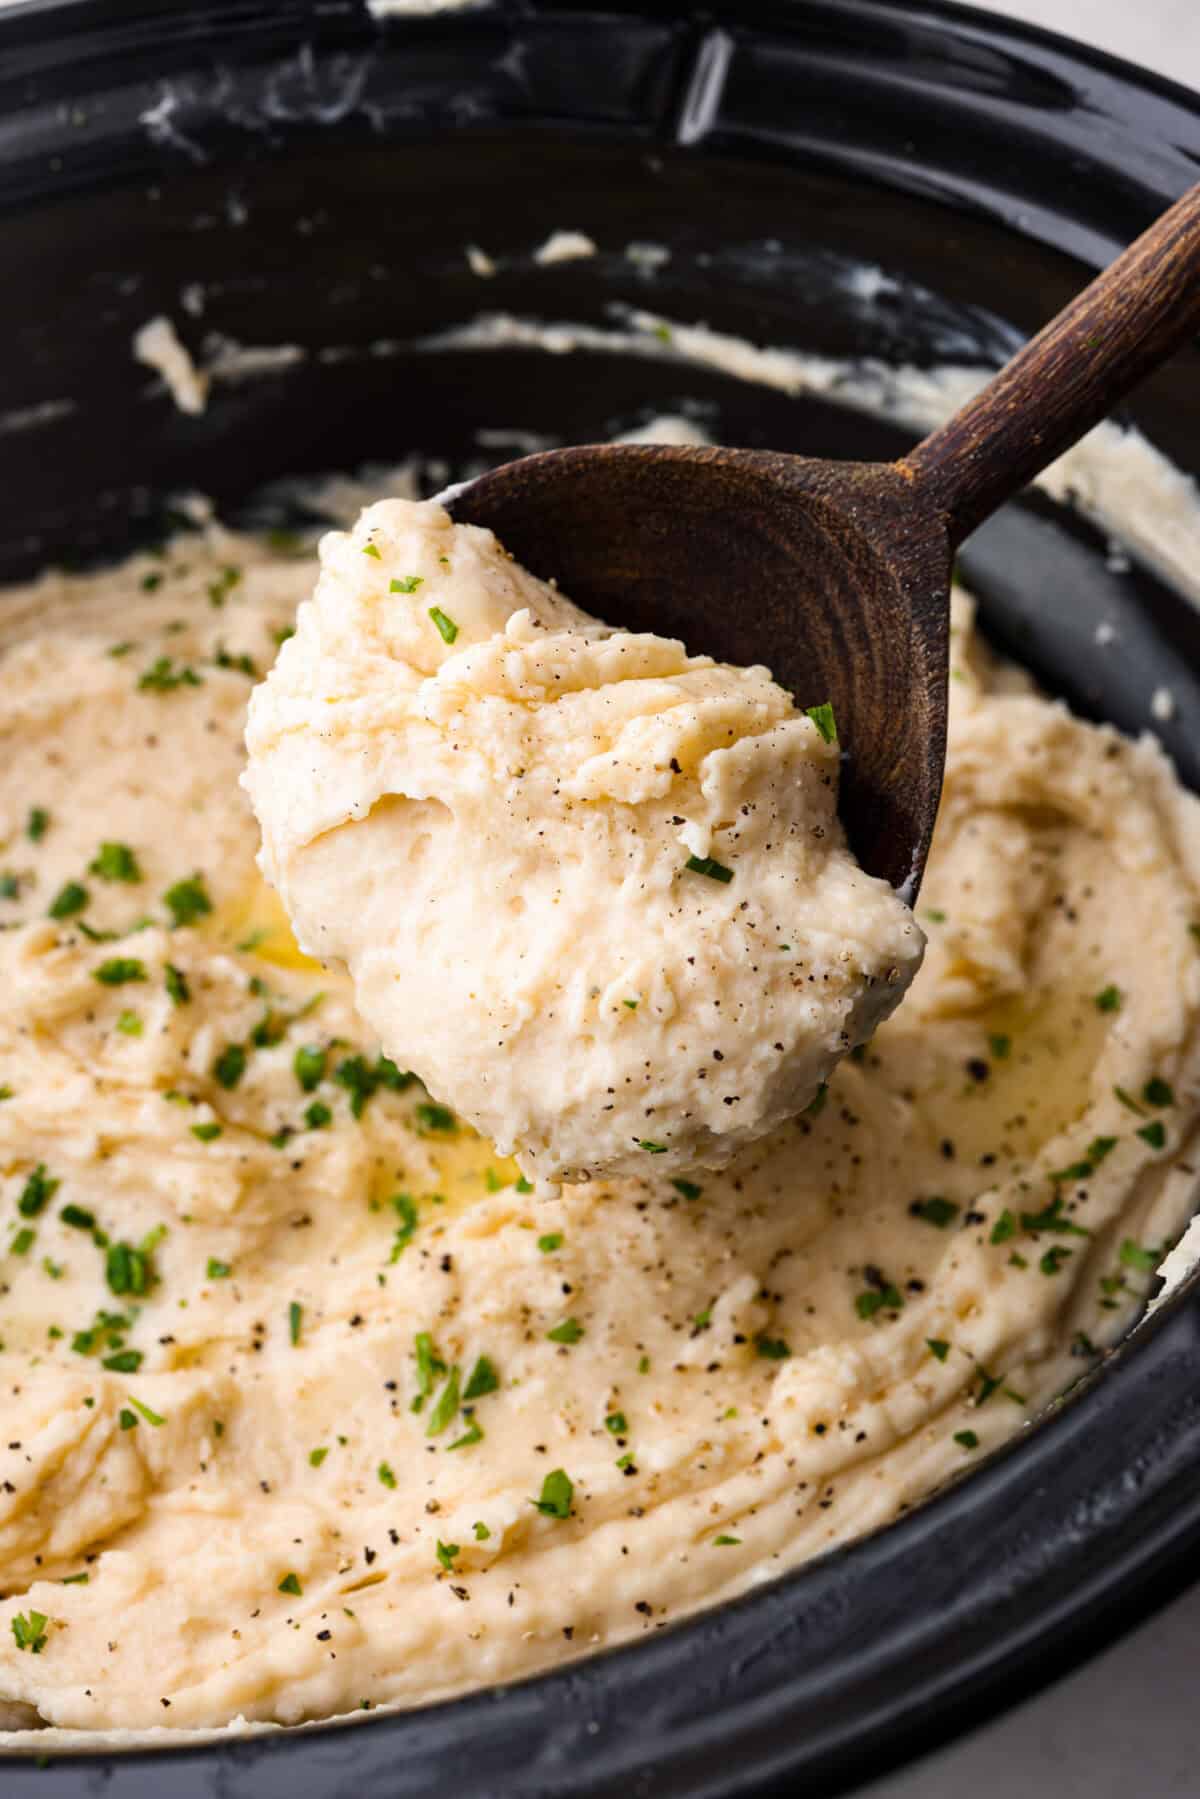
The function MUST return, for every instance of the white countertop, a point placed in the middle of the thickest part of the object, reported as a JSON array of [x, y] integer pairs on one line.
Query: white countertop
[[1127, 1725]]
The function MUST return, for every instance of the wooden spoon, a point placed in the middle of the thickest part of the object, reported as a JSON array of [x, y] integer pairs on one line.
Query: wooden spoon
[[837, 574]]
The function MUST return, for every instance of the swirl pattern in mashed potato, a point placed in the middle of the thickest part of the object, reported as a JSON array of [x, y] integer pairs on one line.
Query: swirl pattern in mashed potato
[[310, 1405]]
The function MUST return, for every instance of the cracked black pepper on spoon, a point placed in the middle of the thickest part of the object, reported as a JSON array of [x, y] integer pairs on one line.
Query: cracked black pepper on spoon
[[837, 574]]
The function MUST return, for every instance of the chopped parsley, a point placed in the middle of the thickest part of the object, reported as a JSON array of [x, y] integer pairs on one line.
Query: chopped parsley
[[129, 1024], [317, 1117], [938, 1348], [187, 900], [569, 1331], [687, 1189], [29, 1631], [617, 1423], [935, 1210], [550, 1242], [317, 1456], [1000, 1046], [967, 1439], [230, 1066], [37, 824], [772, 1349], [78, 1218], [706, 865], [119, 970], [446, 1553], [447, 629], [1004, 1228], [218, 1270], [1154, 1134], [482, 1533], [558, 1490], [115, 862], [385, 1476], [295, 1321], [207, 1132], [822, 717], [68, 901], [408, 584], [291, 1584], [124, 1361], [22, 1242], [1054, 1258], [1156, 1092], [1109, 999], [308, 1065], [1132, 1255]]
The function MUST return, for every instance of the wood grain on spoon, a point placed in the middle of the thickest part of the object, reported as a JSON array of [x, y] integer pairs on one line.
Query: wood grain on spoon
[[837, 574]]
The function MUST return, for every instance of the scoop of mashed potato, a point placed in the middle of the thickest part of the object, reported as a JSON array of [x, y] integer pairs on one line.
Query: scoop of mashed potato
[[593, 890]]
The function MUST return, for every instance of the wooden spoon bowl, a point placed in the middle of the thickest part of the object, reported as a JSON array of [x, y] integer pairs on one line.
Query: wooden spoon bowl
[[836, 575]]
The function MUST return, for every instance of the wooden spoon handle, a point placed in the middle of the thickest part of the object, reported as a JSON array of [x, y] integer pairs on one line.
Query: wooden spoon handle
[[1064, 381]]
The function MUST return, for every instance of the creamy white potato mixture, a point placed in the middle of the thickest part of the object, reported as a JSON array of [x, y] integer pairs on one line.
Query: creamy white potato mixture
[[311, 1405], [593, 890]]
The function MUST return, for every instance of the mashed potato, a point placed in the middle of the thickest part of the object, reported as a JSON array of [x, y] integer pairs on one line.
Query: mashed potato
[[593, 890], [312, 1406]]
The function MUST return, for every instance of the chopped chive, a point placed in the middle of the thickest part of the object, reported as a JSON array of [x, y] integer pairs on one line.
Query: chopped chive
[[68, 901], [115, 862], [706, 865], [119, 970], [445, 1406], [822, 717], [447, 629], [556, 1495]]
